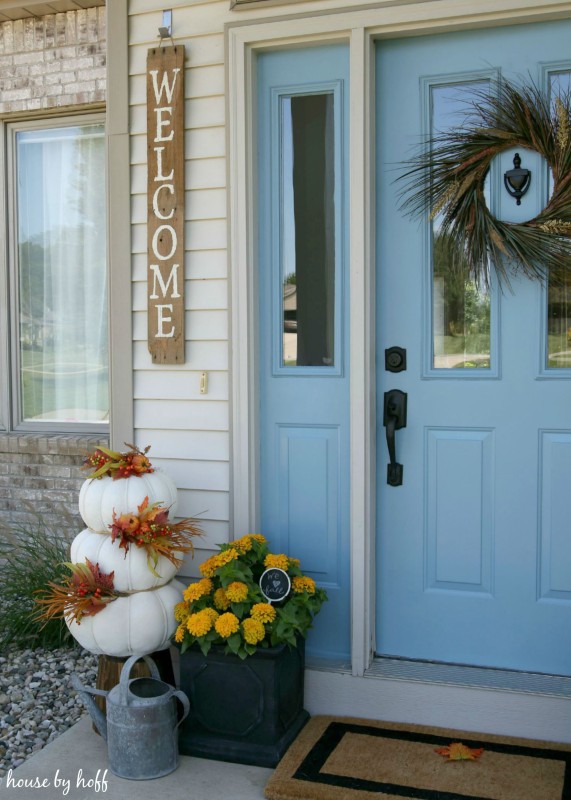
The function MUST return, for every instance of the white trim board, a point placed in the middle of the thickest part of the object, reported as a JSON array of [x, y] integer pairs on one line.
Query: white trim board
[[531, 715]]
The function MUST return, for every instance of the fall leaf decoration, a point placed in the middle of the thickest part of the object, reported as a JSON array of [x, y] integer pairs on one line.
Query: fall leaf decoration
[[133, 462], [151, 529], [459, 752], [86, 592]]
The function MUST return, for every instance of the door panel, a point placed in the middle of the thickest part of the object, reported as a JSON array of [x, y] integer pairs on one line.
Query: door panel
[[303, 322], [473, 548]]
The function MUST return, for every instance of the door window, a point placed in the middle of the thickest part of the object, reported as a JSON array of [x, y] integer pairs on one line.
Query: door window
[[308, 230], [558, 351], [461, 308]]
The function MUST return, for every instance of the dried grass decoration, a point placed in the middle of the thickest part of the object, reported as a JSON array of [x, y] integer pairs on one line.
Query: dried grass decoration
[[447, 180]]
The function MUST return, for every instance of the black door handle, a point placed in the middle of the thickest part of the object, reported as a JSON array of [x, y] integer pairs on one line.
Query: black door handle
[[394, 418]]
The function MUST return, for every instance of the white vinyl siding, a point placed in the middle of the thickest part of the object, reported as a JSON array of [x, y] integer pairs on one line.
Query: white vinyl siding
[[188, 431]]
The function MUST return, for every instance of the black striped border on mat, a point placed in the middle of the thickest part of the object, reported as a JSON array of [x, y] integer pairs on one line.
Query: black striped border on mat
[[309, 769]]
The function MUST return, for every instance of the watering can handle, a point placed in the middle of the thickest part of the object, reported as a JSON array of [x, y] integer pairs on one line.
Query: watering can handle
[[126, 671], [185, 704]]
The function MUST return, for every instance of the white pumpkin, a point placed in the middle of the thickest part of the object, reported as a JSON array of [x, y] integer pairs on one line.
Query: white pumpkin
[[141, 623], [100, 497], [132, 573]]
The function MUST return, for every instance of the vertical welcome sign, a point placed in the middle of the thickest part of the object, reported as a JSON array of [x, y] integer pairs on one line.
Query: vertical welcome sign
[[165, 203]]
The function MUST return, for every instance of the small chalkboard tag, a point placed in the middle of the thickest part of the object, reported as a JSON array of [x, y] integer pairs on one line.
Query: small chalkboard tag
[[275, 584]]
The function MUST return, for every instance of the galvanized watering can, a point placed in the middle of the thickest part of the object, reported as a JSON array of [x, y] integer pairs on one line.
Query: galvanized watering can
[[141, 729]]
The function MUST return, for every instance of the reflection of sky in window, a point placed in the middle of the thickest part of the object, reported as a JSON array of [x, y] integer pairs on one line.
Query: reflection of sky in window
[[451, 107], [452, 104], [288, 219], [48, 162], [559, 84]]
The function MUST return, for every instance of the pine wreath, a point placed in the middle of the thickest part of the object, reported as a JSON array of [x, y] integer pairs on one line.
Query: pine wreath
[[447, 179]]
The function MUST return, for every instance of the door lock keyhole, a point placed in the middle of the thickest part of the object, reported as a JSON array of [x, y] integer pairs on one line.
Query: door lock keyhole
[[395, 359]]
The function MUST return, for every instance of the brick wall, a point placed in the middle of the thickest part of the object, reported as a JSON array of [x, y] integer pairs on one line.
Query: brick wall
[[48, 63], [53, 61], [42, 474]]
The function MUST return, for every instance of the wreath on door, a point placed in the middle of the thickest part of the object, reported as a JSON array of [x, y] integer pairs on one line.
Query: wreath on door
[[446, 180]]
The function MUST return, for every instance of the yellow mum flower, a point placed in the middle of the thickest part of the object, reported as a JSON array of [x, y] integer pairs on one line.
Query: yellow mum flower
[[227, 624], [263, 612], [226, 556], [303, 584], [200, 623], [237, 592], [294, 562], [280, 561], [243, 545], [179, 635], [220, 600], [181, 612], [209, 567], [197, 590], [254, 630], [212, 613], [258, 537]]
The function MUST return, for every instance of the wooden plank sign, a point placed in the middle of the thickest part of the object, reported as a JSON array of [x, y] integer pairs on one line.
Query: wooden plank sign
[[165, 203]]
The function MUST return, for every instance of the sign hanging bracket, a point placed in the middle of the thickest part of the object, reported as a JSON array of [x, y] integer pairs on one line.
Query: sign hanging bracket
[[165, 31]]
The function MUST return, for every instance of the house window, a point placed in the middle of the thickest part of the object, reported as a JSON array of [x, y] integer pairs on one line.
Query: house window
[[57, 277]]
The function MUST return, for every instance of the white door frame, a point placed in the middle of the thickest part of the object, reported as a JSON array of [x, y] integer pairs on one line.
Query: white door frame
[[359, 27]]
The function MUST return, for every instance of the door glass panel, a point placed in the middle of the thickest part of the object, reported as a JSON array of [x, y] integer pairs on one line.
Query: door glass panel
[[308, 231], [460, 307], [559, 296], [559, 325]]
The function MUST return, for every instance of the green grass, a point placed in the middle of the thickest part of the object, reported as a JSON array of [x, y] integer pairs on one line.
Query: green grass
[[559, 349], [31, 554], [471, 343]]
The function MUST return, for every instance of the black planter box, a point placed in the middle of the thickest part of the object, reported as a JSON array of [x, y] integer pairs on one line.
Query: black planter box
[[247, 711]]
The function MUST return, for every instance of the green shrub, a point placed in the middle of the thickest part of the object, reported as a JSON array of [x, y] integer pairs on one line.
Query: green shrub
[[32, 554]]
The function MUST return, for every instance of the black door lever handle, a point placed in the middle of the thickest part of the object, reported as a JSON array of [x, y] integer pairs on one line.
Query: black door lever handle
[[394, 418]]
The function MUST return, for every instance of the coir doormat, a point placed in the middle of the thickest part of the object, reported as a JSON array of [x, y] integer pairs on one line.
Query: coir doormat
[[336, 758]]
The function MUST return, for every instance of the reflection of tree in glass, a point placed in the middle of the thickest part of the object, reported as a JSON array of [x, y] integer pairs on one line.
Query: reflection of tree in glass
[[466, 306], [42, 308], [32, 299], [90, 206]]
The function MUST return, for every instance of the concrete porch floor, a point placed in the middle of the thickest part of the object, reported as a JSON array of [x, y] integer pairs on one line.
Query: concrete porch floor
[[79, 756]]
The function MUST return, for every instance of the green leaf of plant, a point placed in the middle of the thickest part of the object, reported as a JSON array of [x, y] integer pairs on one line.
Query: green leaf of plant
[[204, 645], [234, 642]]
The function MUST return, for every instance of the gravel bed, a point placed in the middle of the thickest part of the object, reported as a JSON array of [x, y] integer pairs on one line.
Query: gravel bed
[[36, 701]]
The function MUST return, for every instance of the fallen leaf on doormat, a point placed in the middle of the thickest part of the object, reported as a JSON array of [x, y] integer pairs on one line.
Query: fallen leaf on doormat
[[460, 752]]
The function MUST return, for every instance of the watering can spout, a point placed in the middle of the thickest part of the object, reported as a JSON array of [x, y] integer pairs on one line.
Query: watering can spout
[[86, 693]]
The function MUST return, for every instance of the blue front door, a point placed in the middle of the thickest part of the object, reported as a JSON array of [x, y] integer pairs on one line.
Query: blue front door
[[474, 549], [302, 138]]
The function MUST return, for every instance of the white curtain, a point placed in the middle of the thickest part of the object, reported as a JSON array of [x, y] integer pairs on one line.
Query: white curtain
[[62, 274]]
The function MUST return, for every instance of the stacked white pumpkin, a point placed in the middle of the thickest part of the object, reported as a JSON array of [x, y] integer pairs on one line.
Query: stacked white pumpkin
[[142, 621]]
